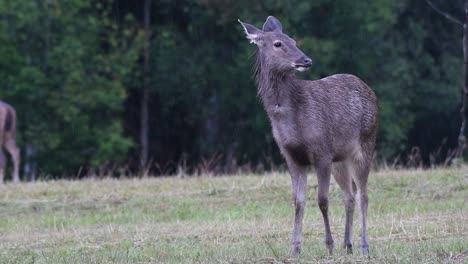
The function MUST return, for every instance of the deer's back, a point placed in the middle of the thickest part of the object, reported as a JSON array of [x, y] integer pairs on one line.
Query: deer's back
[[7, 117], [347, 102], [4, 105]]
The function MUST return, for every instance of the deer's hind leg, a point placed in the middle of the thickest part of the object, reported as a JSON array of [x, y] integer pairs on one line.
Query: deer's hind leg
[[10, 145], [360, 177], [323, 167], [2, 165], [2, 155], [342, 172]]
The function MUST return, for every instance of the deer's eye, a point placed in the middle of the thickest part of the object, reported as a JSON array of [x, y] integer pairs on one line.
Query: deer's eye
[[277, 44]]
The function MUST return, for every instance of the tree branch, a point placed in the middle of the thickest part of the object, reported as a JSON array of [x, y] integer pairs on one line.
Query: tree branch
[[446, 15]]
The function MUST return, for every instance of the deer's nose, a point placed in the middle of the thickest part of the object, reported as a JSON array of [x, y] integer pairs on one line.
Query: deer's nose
[[307, 61]]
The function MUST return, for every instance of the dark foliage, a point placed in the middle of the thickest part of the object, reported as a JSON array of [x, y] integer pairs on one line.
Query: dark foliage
[[74, 72]]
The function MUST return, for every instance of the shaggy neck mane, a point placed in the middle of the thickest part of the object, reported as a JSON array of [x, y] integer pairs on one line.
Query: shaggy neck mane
[[267, 80]]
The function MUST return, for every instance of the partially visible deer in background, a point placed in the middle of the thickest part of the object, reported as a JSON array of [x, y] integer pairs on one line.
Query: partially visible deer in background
[[330, 123], [8, 140]]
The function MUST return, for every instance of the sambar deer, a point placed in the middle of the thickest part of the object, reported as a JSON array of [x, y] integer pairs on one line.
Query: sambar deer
[[329, 123], [8, 140]]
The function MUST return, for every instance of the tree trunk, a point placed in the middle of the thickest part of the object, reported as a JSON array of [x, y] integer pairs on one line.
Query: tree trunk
[[464, 109], [144, 140]]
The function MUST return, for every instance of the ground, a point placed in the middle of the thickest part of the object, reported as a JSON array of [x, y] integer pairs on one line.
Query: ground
[[414, 217]]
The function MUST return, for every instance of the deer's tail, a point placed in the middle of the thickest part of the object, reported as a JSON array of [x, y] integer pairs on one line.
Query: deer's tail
[[8, 124]]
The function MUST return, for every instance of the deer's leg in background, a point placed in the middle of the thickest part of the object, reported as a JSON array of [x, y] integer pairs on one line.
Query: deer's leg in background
[[10, 145], [342, 173], [363, 202], [323, 177], [2, 165], [299, 184]]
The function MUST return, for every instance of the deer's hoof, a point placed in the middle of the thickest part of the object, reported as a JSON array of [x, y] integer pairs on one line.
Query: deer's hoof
[[295, 250], [331, 249], [330, 246], [349, 249], [365, 250]]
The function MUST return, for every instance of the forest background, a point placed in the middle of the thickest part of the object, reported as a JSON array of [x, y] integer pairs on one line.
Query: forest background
[[167, 85]]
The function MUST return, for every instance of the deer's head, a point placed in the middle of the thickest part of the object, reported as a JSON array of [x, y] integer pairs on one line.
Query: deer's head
[[277, 50]]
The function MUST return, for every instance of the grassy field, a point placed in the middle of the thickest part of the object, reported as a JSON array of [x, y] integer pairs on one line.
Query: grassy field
[[414, 217]]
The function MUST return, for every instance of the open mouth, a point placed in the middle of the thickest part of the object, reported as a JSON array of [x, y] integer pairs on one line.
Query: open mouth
[[302, 67]]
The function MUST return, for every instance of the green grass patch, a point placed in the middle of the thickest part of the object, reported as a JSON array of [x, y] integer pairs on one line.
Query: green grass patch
[[414, 217]]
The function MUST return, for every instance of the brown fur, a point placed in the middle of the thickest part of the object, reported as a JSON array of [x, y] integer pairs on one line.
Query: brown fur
[[330, 123], [8, 140]]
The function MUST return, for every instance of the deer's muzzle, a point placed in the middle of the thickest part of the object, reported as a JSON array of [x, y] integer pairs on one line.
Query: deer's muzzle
[[303, 64]]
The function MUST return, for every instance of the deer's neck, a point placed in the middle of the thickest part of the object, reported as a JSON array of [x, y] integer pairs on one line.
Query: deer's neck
[[275, 89]]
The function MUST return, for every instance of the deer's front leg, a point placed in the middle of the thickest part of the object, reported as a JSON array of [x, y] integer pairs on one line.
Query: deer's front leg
[[299, 184]]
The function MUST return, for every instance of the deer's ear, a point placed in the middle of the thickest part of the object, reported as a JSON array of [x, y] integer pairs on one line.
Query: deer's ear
[[272, 24], [252, 33]]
